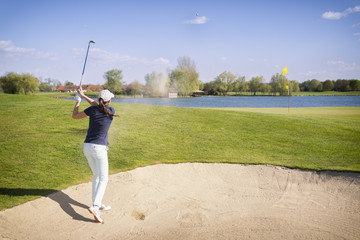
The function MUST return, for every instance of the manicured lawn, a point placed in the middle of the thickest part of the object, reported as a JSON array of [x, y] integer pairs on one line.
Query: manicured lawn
[[326, 93], [345, 113], [41, 145]]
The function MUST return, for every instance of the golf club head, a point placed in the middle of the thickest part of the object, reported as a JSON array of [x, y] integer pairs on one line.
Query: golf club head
[[91, 42]]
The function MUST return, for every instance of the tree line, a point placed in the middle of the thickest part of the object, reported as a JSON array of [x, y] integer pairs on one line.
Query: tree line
[[227, 82], [185, 79], [19, 83], [340, 85]]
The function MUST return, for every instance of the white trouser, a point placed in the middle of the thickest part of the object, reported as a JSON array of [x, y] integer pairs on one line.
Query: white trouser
[[98, 160]]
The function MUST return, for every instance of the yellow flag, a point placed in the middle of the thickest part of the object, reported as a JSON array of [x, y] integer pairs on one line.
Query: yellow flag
[[284, 71]]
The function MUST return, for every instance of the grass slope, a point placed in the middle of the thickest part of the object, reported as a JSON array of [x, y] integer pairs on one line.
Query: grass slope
[[41, 145]]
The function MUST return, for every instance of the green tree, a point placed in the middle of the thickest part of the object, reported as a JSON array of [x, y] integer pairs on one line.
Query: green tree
[[201, 85], [240, 84], [294, 86], [178, 80], [209, 88], [44, 87], [328, 85], [304, 86], [265, 88], [136, 88], [342, 85], [255, 83], [220, 87], [49, 85], [315, 86], [225, 82], [113, 80], [68, 83], [185, 78], [19, 84], [354, 85], [320, 87], [278, 84]]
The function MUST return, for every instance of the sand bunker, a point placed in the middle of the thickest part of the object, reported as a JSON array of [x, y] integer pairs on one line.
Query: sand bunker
[[199, 201]]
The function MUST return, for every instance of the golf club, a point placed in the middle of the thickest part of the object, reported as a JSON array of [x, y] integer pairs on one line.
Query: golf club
[[87, 52]]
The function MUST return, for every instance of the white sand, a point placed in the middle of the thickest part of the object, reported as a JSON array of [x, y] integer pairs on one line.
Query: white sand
[[199, 201]]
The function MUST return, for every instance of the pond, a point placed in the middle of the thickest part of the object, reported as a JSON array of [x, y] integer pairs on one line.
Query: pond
[[250, 101]]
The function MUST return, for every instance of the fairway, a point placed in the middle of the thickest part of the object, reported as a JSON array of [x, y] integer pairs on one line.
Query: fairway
[[345, 113], [41, 145]]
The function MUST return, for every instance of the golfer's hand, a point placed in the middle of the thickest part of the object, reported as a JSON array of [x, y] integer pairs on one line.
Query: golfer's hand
[[81, 92], [78, 98]]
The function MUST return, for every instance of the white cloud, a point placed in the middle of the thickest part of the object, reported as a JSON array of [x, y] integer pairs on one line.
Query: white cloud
[[223, 58], [332, 15], [323, 74], [343, 66], [350, 67], [161, 61], [99, 56], [357, 34], [356, 25], [9, 49], [197, 20], [352, 10], [337, 15], [336, 62], [336, 69], [251, 60]]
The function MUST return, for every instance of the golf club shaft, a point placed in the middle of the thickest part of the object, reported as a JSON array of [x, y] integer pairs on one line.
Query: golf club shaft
[[87, 52]]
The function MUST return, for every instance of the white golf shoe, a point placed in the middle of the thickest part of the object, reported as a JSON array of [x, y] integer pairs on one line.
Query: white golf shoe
[[95, 211], [104, 207]]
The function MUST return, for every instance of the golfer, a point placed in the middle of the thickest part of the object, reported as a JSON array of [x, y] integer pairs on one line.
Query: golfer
[[96, 144]]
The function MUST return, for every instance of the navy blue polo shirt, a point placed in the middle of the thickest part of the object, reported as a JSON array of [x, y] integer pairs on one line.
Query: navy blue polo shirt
[[99, 125]]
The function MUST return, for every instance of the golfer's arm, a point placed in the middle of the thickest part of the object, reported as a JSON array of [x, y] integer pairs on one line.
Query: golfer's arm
[[76, 114], [89, 100]]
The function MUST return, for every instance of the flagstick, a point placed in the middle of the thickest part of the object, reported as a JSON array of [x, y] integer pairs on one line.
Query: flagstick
[[285, 71]]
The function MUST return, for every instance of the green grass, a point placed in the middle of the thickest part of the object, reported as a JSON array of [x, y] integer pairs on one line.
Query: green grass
[[345, 113], [249, 94], [41, 145], [326, 93], [64, 94]]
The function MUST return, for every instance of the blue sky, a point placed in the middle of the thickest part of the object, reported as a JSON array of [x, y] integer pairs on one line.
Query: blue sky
[[314, 39]]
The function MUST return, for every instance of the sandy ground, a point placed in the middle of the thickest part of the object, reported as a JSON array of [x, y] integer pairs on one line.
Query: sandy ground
[[199, 201]]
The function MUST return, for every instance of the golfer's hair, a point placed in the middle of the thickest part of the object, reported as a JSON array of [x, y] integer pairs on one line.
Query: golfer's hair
[[103, 108]]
